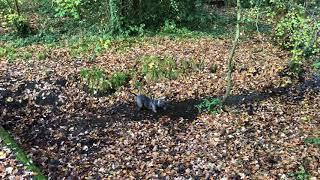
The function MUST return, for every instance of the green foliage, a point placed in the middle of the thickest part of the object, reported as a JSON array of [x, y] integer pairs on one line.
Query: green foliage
[[8, 52], [41, 55], [315, 141], [135, 30], [295, 26], [5, 7], [170, 27], [4, 51], [68, 8], [119, 79], [301, 174], [27, 56], [155, 68], [115, 16], [210, 105], [316, 65], [84, 46], [295, 69], [155, 13], [19, 23], [213, 68], [296, 32], [98, 82], [58, 20], [137, 84]]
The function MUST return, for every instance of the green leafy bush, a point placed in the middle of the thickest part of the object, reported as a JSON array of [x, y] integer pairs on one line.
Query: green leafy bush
[[84, 46], [316, 65], [210, 105], [295, 26], [19, 23], [315, 141], [41, 55], [119, 79], [3, 52], [68, 8], [295, 31], [8, 52], [155, 68], [96, 80], [301, 174], [99, 83], [155, 13]]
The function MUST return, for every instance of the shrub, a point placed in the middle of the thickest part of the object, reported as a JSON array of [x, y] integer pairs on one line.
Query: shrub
[[119, 79], [98, 82], [155, 68], [41, 55], [301, 174], [153, 13], [316, 65], [295, 26], [19, 23], [210, 105], [68, 8], [93, 45], [296, 32], [315, 141]]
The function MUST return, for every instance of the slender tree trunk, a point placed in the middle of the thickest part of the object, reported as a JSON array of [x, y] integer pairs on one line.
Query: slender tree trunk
[[115, 16], [17, 7], [315, 37], [232, 53]]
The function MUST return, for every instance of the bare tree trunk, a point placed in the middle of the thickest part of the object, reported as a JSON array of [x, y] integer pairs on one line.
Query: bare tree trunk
[[232, 53], [315, 37]]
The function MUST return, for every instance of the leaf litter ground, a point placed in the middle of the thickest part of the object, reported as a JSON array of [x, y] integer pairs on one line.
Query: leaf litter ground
[[70, 133]]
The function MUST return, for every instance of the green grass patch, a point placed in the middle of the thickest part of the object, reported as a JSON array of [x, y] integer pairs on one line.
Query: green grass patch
[[41, 56], [20, 154], [300, 174], [10, 53], [98, 82], [316, 66], [119, 79], [83, 46], [7, 51], [212, 106], [155, 68], [215, 29], [315, 141]]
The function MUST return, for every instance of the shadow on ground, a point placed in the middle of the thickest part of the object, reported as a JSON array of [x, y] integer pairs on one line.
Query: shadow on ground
[[103, 128], [186, 109]]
